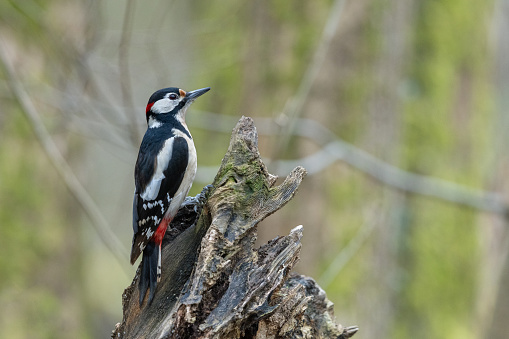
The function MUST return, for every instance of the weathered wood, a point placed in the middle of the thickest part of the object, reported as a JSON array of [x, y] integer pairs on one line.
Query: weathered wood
[[215, 283]]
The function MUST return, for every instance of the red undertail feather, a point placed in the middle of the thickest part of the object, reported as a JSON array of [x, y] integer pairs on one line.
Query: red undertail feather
[[161, 231]]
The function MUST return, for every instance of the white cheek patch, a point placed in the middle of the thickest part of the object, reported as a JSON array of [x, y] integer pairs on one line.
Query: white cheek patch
[[165, 105]]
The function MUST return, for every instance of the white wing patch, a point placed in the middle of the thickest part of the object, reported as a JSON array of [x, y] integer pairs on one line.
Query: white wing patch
[[163, 159]]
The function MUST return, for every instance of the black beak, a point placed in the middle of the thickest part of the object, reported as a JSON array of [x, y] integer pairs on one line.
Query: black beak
[[190, 96]]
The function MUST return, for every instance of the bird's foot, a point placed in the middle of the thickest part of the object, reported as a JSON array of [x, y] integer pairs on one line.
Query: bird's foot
[[204, 194], [199, 200]]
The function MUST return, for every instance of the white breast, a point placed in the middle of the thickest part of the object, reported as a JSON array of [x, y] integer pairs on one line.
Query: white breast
[[188, 179]]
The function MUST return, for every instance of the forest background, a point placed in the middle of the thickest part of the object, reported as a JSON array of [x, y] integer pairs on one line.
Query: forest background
[[396, 108]]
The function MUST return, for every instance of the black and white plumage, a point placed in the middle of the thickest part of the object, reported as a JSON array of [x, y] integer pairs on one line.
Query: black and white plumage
[[164, 173]]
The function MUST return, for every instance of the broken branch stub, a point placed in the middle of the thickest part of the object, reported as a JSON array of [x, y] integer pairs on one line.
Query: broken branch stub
[[215, 283]]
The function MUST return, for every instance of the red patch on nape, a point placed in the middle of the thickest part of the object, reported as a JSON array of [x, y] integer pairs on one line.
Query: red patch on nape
[[161, 231], [149, 106]]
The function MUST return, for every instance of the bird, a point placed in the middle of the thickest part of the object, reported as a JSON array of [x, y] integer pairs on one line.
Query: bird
[[163, 175]]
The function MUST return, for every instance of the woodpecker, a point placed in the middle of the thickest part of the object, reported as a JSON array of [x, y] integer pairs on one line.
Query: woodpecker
[[164, 172]]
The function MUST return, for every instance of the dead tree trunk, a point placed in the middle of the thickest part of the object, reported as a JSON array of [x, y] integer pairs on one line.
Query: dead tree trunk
[[215, 284]]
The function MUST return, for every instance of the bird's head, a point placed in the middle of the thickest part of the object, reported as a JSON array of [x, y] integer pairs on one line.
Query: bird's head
[[168, 103]]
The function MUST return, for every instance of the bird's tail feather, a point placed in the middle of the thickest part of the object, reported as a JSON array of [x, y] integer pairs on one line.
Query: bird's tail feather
[[149, 271]]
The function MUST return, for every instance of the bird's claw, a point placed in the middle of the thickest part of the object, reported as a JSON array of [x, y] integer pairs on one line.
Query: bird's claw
[[203, 196], [199, 200]]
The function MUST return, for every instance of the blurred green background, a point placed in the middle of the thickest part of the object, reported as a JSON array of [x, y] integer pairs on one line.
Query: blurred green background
[[421, 85]]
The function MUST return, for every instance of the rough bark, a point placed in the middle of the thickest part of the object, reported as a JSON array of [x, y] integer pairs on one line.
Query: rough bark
[[215, 283]]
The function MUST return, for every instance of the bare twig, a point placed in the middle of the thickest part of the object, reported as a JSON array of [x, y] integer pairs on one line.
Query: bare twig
[[62, 167], [123, 64], [402, 180], [348, 252], [334, 149], [293, 107]]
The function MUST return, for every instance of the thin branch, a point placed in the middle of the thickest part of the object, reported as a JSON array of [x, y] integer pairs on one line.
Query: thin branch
[[293, 107], [334, 149], [400, 179], [60, 164], [160, 15], [125, 75], [347, 253], [89, 116], [101, 92]]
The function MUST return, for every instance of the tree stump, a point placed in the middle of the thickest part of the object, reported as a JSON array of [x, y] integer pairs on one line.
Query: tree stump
[[215, 283]]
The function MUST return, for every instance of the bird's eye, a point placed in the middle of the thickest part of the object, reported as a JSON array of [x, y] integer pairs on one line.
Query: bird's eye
[[173, 96]]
